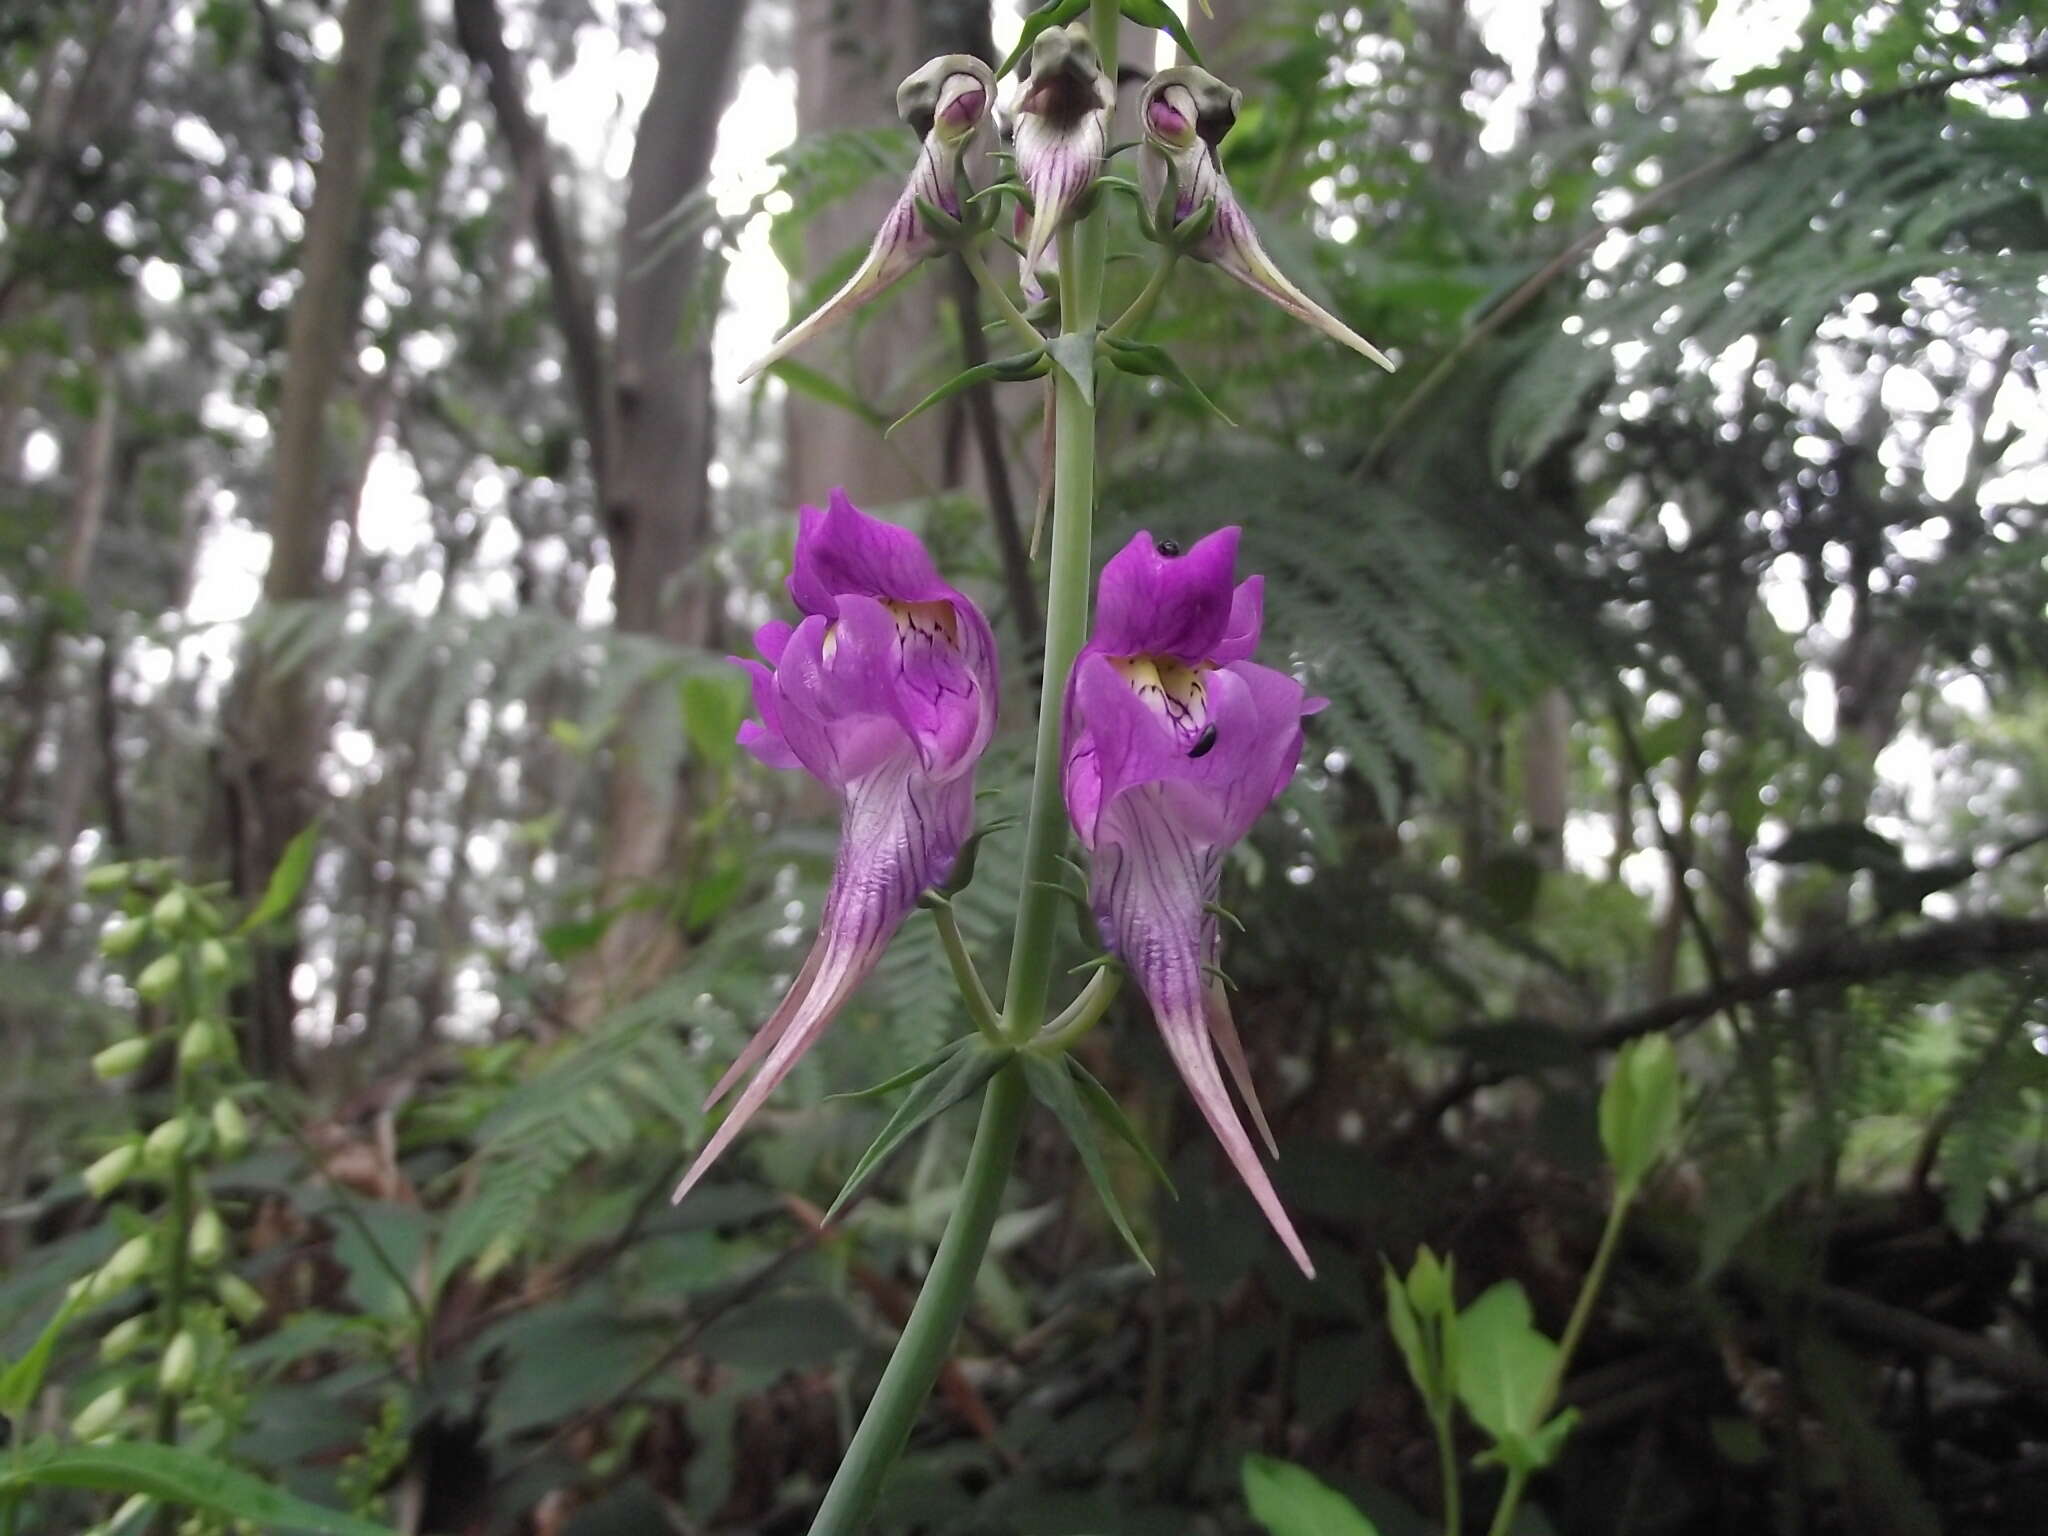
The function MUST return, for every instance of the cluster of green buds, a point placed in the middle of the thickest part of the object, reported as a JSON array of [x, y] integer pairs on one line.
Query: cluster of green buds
[[183, 957]]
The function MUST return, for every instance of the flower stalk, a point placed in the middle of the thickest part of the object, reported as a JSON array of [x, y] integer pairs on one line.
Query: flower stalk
[[927, 1338]]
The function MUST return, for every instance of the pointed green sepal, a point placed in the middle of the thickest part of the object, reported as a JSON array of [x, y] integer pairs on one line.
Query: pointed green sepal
[[1189, 231], [1055, 14], [1148, 360], [1106, 1109], [1051, 1085], [972, 1065], [1218, 910], [939, 224], [905, 1078], [1006, 370]]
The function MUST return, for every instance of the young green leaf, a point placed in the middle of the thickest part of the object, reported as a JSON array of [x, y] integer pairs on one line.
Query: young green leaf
[[905, 1078], [1053, 1088], [1106, 1109], [287, 880], [1639, 1110], [178, 1477], [1146, 360], [1292, 1501], [1504, 1365], [1027, 365]]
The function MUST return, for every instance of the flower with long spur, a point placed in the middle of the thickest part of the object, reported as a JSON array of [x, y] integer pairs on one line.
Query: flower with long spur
[[886, 693], [1176, 741], [945, 103], [1185, 113], [1062, 133]]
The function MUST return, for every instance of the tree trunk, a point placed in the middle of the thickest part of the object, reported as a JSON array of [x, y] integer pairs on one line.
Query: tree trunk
[[1546, 776], [849, 58], [658, 500], [273, 745]]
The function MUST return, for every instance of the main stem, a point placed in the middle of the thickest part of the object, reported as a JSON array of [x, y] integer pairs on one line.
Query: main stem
[[927, 1338]]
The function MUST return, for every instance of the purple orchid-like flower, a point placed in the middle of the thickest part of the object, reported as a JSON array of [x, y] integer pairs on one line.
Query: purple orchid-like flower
[[1176, 741], [944, 103], [886, 692], [1062, 133], [1185, 112]]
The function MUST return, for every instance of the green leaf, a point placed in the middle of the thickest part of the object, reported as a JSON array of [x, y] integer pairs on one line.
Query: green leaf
[[1157, 14], [1504, 1364], [176, 1477], [1007, 370], [1052, 1087], [931, 1097], [1147, 360], [567, 940], [1075, 354], [1056, 14], [1639, 1110], [904, 1078], [714, 705], [287, 880], [1292, 1501], [826, 390], [20, 1382], [1106, 1109]]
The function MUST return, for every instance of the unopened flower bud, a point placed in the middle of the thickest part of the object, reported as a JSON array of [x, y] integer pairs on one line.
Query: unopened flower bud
[[100, 1415], [166, 1144], [214, 963], [124, 1338], [230, 1127], [130, 1263], [110, 1172], [171, 910], [244, 1302], [208, 1240], [107, 878], [124, 937], [199, 1044], [159, 978], [122, 1057], [181, 1360]]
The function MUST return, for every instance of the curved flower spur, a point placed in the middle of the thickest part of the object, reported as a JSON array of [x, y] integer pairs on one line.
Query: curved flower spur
[[886, 693], [1176, 741], [1185, 112], [945, 102]]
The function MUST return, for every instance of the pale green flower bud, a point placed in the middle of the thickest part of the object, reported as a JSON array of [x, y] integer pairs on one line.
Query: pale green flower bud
[[230, 1127], [214, 961], [199, 1044], [107, 878], [124, 937], [99, 1416], [181, 1360], [124, 1338], [165, 1145], [171, 910], [160, 978], [208, 1240], [109, 1173], [130, 1263], [244, 1302], [122, 1057]]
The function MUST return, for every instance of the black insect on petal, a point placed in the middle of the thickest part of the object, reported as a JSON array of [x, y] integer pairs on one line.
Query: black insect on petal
[[1168, 548], [1203, 742]]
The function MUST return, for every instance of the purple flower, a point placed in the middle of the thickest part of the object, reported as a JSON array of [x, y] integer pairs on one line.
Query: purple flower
[[886, 692], [944, 103], [1185, 112], [1062, 133], [1176, 741]]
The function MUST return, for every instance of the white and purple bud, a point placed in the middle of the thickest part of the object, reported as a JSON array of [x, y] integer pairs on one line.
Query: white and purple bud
[[1185, 112], [945, 102], [1062, 132]]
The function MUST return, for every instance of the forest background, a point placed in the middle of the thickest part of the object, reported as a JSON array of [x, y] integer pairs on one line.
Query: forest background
[[377, 502]]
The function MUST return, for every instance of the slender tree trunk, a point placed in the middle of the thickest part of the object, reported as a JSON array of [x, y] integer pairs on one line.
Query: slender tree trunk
[[849, 58], [273, 744], [658, 495], [1546, 776]]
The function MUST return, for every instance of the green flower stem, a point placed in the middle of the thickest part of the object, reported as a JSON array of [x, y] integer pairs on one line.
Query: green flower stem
[[1447, 1464], [1082, 1015], [1148, 298], [1574, 1331], [927, 1340], [970, 254], [965, 976]]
